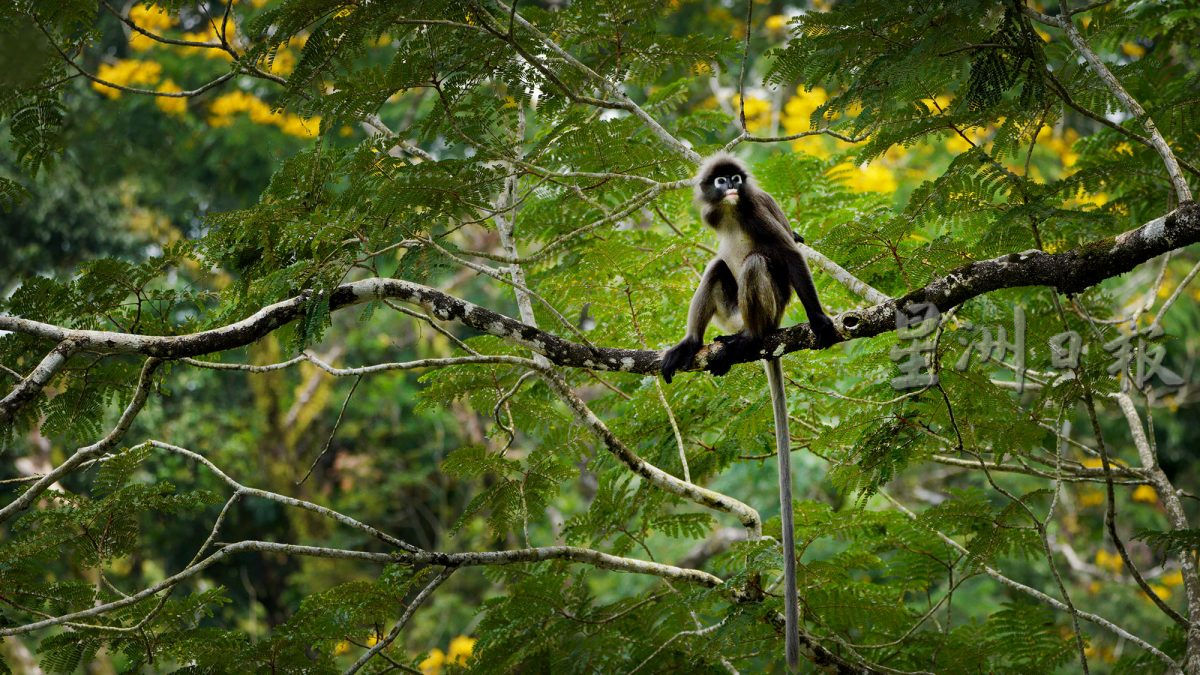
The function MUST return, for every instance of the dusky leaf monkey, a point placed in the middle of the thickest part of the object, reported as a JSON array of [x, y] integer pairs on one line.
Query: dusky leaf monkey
[[746, 287]]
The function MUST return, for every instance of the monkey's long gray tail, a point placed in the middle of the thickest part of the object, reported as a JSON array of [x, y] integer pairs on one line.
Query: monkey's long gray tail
[[783, 448]]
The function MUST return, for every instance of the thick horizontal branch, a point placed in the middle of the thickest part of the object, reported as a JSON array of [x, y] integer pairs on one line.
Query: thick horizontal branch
[[1067, 272]]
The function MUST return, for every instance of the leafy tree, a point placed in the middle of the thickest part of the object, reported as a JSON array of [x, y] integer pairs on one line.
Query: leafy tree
[[348, 361]]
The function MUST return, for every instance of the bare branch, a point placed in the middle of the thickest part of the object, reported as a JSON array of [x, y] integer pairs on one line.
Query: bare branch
[[140, 394], [408, 613], [469, 559], [31, 386], [1182, 191]]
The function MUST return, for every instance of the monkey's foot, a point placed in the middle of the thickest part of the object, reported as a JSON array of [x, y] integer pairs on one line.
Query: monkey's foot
[[734, 349], [679, 357], [823, 328]]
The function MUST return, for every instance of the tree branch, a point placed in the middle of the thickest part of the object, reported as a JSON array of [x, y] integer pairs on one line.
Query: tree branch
[[468, 559], [1068, 272], [1182, 191]]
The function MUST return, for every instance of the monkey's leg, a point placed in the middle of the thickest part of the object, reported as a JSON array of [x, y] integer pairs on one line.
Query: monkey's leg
[[760, 307], [714, 295]]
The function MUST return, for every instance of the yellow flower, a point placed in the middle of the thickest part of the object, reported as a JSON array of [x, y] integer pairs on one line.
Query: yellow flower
[[1109, 561], [126, 73], [1098, 199], [226, 106], [284, 63], [937, 103], [140, 43], [1133, 50], [1095, 587], [372, 640], [1145, 494], [294, 125], [776, 23], [1172, 579], [208, 34], [171, 105], [1162, 592], [1042, 34], [978, 136], [758, 112], [1091, 498], [460, 650], [341, 647], [153, 18], [799, 109], [870, 178], [432, 665], [1124, 149], [957, 144]]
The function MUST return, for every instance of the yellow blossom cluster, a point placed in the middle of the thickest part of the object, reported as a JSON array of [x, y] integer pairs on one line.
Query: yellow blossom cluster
[[150, 18], [173, 105], [1145, 494], [126, 73], [873, 177], [796, 115], [776, 24], [208, 33], [1060, 144], [457, 653], [758, 112], [284, 63], [797, 118], [1094, 200], [227, 106], [1109, 561], [1161, 591], [1133, 50]]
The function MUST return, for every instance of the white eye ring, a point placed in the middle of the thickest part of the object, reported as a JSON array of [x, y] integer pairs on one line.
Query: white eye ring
[[720, 181], [736, 181]]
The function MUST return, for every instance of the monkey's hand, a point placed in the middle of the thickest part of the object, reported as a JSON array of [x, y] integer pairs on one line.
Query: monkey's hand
[[734, 349], [679, 357], [822, 327], [797, 238]]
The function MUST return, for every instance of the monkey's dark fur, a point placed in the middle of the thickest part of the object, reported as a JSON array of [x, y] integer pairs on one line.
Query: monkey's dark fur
[[746, 287]]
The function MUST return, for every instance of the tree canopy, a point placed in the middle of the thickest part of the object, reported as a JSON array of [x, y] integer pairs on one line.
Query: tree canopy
[[331, 336]]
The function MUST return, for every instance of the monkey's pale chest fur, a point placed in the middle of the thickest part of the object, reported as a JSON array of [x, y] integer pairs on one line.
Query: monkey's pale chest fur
[[733, 244]]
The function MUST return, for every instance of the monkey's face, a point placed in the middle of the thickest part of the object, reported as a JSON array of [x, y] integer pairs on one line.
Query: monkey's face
[[724, 186]]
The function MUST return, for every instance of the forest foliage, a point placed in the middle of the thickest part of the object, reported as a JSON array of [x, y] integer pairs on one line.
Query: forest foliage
[[377, 486]]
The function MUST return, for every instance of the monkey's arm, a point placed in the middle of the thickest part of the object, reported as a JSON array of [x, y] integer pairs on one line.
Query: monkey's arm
[[709, 297], [818, 320], [801, 278]]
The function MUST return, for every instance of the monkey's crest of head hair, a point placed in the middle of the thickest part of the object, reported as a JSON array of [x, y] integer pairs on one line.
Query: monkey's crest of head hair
[[721, 163]]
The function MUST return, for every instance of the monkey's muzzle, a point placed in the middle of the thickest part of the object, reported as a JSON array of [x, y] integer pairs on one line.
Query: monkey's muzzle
[[731, 196]]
